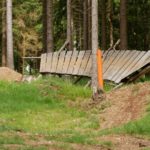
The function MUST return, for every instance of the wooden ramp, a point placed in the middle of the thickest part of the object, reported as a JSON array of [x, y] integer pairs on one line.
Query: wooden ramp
[[117, 65]]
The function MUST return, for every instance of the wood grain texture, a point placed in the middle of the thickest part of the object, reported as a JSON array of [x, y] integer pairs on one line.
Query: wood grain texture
[[84, 62], [78, 63], [43, 62], [54, 62], [66, 62], [60, 63], [117, 65], [48, 62], [72, 62]]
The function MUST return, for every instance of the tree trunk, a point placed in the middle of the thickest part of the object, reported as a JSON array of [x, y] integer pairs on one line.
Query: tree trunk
[[10, 56], [49, 12], [103, 6], [94, 48], [85, 25], [89, 25], [44, 17], [4, 33], [110, 18], [69, 24], [123, 24]]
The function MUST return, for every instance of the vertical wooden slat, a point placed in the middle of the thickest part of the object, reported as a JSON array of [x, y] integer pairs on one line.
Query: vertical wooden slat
[[67, 62], [88, 68], [72, 62], [60, 62], [48, 62], [54, 62], [78, 62], [43, 62], [84, 62]]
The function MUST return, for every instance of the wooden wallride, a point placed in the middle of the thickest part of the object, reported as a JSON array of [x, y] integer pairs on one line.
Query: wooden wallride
[[117, 64]]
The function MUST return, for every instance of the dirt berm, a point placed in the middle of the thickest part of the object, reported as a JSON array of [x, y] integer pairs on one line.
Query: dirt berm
[[8, 74]]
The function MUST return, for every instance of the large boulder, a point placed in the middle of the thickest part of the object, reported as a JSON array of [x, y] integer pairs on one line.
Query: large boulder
[[8, 74]]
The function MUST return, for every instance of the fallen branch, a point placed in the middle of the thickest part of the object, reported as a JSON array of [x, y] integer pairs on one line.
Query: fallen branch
[[63, 47]]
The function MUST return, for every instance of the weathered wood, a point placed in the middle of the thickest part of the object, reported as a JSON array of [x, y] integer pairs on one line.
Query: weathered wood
[[42, 64], [84, 62], [66, 62], [124, 65], [72, 62], [117, 65], [78, 62], [88, 68], [136, 57], [138, 63], [60, 62], [112, 66], [110, 60], [48, 62], [54, 62]]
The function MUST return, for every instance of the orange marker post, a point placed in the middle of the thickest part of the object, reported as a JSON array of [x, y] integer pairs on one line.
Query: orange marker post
[[100, 69]]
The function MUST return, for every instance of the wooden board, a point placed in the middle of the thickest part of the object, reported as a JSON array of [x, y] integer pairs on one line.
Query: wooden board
[[112, 66], [88, 68], [137, 64], [48, 62], [54, 62], [118, 66], [60, 62], [72, 62], [78, 62], [109, 61], [66, 62], [134, 59], [42, 64], [84, 62]]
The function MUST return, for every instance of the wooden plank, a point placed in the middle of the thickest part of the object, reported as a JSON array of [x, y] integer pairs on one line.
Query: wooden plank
[[137, 64], [54, 62], [112, 66], [78, 62], [84, 62], [66, 62], [110, 60], [72, 62], [42, 64], [119, 64], [48, 62], [88, 69], [124, 65], [133, 60], [60, 62]]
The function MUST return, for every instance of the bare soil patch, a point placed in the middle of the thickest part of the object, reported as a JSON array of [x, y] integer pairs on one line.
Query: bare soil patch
[[126, 104], [8, 74]]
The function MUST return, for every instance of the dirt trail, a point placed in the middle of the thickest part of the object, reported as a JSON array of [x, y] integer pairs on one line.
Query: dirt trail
[[127, 103]]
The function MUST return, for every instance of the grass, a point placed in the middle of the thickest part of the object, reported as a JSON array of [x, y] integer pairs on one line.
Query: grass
[[54, 110], [46, 107]]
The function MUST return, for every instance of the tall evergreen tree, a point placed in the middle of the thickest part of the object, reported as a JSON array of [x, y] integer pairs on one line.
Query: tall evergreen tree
[[10, 55], [123, 24]]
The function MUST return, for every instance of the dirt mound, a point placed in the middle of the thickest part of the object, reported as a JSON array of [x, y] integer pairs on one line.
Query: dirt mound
[[8, 74], [126, 142], [126, 104]]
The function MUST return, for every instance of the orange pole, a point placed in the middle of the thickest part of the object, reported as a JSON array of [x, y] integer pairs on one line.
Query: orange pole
[[100, 69]]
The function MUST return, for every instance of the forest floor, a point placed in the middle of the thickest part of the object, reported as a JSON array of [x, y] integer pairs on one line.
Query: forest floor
[[57, 115]]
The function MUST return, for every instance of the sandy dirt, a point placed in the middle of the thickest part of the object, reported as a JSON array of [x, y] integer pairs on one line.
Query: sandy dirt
[[126, 104], [8, 74]]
